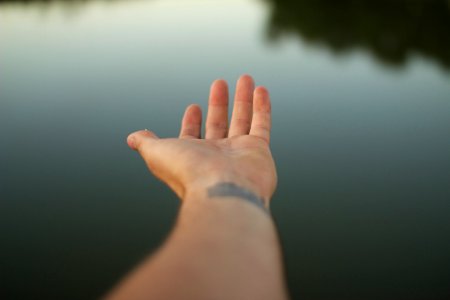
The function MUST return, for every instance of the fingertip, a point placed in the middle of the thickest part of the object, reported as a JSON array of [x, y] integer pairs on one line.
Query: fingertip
[[191, 124], [193, 114], [246, 78], [262, 91], [219, 93], [262, 99], [219, 83], [194, 108], [135, 139], [131, 142]]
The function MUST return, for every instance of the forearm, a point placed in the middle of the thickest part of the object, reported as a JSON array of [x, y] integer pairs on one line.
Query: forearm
[[222, 247]]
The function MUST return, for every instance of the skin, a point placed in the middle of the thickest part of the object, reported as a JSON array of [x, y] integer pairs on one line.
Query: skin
[[223, 246]]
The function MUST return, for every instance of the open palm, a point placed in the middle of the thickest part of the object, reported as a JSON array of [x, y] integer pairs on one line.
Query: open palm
[[238, 153]]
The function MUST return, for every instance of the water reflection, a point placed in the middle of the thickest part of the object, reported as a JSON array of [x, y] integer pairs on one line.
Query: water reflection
[[391, 30]]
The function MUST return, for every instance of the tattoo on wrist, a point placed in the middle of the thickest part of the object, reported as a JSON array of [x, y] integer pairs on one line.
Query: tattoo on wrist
[[229, 189]]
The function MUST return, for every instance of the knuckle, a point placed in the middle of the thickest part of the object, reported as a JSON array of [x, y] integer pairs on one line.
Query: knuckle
[[261, 127], [242, 122], [217, 125]]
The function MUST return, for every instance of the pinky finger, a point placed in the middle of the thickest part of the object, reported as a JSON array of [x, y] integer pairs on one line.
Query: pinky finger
[[261, 121]]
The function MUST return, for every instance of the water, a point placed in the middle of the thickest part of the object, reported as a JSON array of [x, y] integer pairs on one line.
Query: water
[[361, 100]]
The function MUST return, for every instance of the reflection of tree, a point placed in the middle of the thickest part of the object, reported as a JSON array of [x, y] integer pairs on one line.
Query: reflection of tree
[[49, 2], [37, 1], [390, 29]]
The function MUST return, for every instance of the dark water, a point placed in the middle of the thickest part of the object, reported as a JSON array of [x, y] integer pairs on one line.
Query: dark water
[[361, 97]]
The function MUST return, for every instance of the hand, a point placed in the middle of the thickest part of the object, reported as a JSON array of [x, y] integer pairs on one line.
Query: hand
[[238, 155]]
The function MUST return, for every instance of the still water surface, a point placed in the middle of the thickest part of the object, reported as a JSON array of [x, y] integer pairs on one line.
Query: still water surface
[[361, 137]]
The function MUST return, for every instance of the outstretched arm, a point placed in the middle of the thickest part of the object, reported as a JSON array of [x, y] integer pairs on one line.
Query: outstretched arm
[[224, 244]]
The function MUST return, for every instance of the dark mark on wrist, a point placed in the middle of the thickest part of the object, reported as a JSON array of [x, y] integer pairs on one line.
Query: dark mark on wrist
[[229, 189]]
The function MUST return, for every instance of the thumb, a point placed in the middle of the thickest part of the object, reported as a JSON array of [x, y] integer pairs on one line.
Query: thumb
[[137, 139], [155, 156]]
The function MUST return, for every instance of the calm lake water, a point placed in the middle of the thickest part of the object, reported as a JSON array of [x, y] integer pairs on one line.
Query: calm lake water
[[361, 101]]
